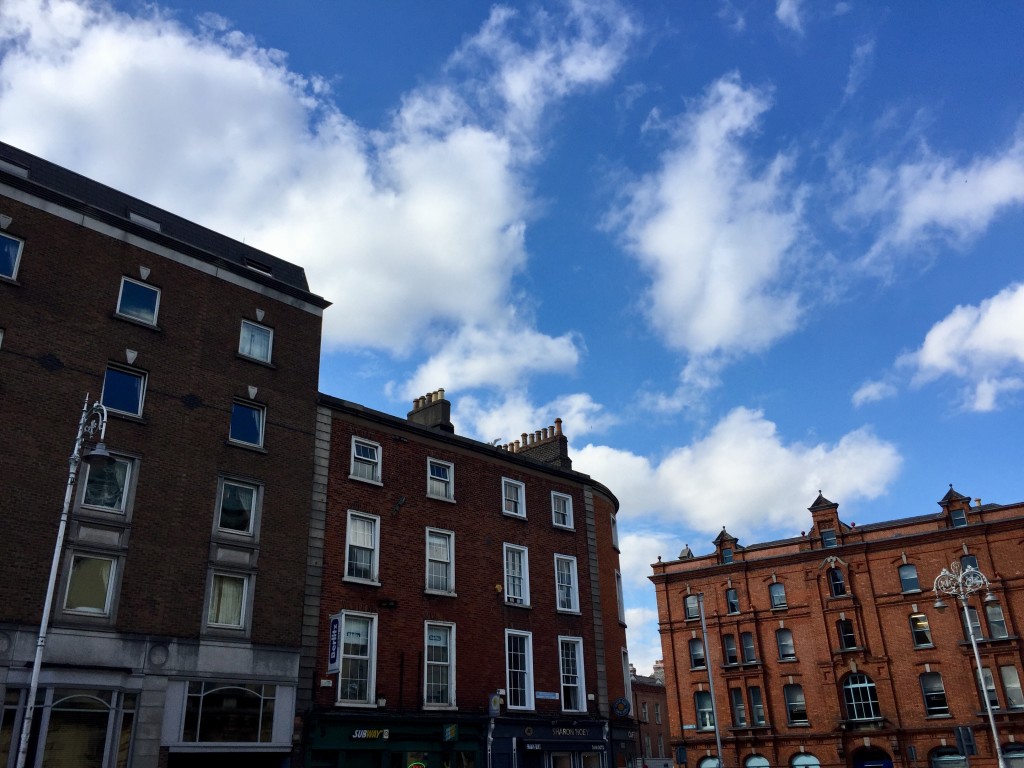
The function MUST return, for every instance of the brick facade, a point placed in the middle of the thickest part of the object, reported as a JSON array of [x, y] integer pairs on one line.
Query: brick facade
[[840, 634], [395, 597], [61, 331]]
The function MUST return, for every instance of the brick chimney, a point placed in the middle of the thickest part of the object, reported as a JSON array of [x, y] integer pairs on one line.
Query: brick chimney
[[433, 411], [659, 671], [548, 445]]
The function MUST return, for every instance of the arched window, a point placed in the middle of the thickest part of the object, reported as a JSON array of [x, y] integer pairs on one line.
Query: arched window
[[803, 760], [756, 761], [1014, 755], [705, 715], [836, 582], [946, 757], [861, 698], [708, 762]]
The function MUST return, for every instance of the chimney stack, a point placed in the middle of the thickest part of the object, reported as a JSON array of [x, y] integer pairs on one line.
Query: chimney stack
[[433, 411]]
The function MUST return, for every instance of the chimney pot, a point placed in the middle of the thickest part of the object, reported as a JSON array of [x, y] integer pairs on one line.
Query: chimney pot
[[544, 433], [558, 426], [440, 394]]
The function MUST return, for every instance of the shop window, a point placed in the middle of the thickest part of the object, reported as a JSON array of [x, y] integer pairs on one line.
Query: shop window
[[228, 712]]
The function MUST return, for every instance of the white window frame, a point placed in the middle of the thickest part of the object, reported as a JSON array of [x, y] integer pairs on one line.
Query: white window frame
[[449, 564], [257, 408], [523, 556], [254, 513], [528, 691], [371, 659], [704, 710], [108, 600], [449, 483], [243, 617], [243, 337], [374, 521], [449, 666], [580, 685], [135, 318], [17, 255], [517, 500], [376, 466], [566, 500], [125, 370], [127, 491], [573, 585], [619, 598]]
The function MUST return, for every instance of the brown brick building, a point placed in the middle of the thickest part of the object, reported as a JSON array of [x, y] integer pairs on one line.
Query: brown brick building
[[826, 649], [470, 608], [177, 620], [650, 705]]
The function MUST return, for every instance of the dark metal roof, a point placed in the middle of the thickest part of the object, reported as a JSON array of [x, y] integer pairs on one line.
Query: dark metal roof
[[72, 190]]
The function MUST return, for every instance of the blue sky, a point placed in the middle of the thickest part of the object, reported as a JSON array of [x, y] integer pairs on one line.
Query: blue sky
[[745, 250]]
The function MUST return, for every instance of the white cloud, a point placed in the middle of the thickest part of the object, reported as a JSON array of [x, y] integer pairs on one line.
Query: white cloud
[[982, 346], [413, 228], [789, 14], [506, 419], [638, 550], [742, 475], [643, 638], [934, 197], [872, 392], [860, 66], [716, 233]]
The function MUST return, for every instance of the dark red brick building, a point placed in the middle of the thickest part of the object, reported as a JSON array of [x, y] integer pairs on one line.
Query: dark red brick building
[[178, 609], [827, 649], [470, 608], [650, 704]]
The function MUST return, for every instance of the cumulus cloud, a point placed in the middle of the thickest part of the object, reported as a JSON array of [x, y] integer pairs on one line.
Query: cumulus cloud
[[505, 419], [934, 198], [790, 15], [715, 232], [643, 638], [980, 346], [413, 227], [743, 475], [872, 392], [638, 550]]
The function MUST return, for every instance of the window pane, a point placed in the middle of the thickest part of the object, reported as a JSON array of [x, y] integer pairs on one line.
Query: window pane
[[908, 578], [105, 485], [226, 600], [996, 622], [756, 705], [138, 301], [246, 424], [572, 681], [364, 461], [354, 679], [255, 341], [784, 638], [691, 607], [1011, 687], [438, 659], [777, 593], [732, 601], [10, 255], [89, 585], [920, 630], [122, 391], [747, 642], [697, 659], [237, 506], [934, 694]]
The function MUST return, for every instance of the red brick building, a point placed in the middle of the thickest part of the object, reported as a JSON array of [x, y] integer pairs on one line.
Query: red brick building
[[827, 649], [650, 705], [177, 619], [470, 608]]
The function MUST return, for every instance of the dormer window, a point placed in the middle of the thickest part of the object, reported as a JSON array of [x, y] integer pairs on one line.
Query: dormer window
[[958, 517], [726, 555]]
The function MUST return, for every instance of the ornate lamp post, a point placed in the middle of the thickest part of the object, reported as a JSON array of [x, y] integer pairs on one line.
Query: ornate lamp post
[[711, 678], [961, 583], [92, 420]]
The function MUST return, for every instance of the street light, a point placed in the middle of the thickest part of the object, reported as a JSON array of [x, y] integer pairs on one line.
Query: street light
[[961, 583], [711, 677], [92, 420]]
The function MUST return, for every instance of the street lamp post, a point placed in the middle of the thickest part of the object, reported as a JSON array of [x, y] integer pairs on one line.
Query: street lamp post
[[961, 583], [92, 420], [711, 678]]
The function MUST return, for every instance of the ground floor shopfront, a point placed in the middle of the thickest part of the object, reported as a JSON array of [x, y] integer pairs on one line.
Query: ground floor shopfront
[[112, 701], [450, 740]]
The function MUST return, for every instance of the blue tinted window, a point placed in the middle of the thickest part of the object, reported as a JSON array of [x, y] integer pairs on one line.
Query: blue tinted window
[[123, 391], [246, 424]]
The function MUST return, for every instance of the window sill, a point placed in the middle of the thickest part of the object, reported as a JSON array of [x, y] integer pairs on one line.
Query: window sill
[[366, 480], [9, 280], [357, 704], [929, 646], [515, 517], [365, 582], [698, 669], [137, 322], [510, 604], [564, 528], [911, 592], [733, 613], [568, 611], [780, 608], [800, 724], [256, 360], [945, 716], [123, 416], [246, 446], [440, 593], [788, 661], [440, 707], [852, 649], [441, 498]]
